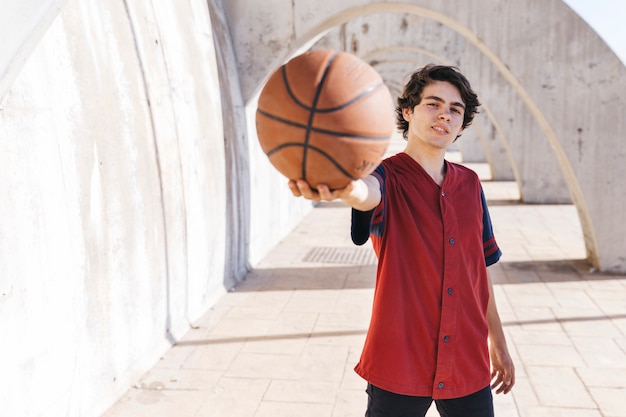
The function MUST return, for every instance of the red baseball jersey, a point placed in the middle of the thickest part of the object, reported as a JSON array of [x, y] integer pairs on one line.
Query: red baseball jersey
[[428, 333]]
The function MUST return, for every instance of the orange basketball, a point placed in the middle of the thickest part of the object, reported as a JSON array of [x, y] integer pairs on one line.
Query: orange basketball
[[325, 116]]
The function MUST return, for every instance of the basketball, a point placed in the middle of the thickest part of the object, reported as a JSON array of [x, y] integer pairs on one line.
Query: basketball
[[326, 117]]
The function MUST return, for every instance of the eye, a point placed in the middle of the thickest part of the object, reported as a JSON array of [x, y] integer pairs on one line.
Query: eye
[[455, 110]]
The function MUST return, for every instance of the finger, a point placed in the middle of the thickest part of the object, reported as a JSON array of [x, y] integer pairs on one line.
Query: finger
[[509, 381], [495, 384], [504, 388], [503, 383], [507, 389], [501, 389], [293, 187], [324, 192], [306, 191]]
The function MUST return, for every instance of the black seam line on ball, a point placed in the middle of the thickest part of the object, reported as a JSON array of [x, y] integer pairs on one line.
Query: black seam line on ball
[[346, 104], [316, 149], [290, 91], [318, 130], [366, 92], [309, 125]]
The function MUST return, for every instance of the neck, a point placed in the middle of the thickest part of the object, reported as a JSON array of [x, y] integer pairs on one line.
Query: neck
[[432, 162]]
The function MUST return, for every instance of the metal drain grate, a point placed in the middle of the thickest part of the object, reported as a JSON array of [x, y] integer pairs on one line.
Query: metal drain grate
[[330, 255]]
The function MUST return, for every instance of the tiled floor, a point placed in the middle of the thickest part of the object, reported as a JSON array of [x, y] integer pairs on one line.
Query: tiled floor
[[284, 343]]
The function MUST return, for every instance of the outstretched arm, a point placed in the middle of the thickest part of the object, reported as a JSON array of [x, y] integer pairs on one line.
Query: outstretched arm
[[363, 194], [503, 370]]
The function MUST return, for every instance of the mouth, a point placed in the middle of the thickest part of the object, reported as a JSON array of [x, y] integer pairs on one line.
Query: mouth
[[440, 129]]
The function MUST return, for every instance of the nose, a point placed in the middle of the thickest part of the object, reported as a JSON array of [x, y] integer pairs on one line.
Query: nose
[[445, 114]]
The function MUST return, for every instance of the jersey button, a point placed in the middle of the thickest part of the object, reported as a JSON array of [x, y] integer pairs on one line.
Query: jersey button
[[441, 385], [451, 241], [446, 339]]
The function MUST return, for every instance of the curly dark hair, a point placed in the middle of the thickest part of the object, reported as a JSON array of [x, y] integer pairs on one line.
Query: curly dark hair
[[412, 93]]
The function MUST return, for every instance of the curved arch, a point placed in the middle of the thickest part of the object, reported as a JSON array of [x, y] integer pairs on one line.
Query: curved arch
[[525, 188], [380, 59], [528, 190], [437, 57], [572, 148], [570, 177]]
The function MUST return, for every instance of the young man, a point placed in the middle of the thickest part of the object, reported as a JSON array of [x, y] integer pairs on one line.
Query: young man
[[435, 329]]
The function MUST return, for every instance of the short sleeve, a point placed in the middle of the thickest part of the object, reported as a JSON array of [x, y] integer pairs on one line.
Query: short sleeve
[[490, 247]]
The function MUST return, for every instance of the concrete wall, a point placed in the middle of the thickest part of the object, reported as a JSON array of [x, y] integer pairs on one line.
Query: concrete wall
[[22, 24], [113, 228]]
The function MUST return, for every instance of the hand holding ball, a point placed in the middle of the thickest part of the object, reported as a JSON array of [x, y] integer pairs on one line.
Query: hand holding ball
[[326, 117]]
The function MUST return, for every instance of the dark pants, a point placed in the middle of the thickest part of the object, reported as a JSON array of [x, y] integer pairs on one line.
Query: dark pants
[[381, 403]]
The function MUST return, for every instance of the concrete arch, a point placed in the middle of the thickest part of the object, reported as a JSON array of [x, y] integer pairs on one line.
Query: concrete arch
[[393, 65], [498, 153], [546, 184], [568, 48], [494, 150]]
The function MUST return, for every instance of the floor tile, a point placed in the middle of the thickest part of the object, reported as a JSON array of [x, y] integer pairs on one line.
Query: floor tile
[[285, 341]]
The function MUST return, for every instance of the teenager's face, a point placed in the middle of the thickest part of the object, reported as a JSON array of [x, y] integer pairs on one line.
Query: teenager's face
[[437, 120]]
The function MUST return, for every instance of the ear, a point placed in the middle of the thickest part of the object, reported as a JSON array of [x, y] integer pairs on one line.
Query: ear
[[406, 113]]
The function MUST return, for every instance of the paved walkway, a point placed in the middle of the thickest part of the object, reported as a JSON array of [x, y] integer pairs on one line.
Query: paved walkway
[[284, 343]]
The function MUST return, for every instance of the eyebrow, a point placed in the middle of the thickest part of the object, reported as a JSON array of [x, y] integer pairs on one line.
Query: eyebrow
[[439, 99]]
